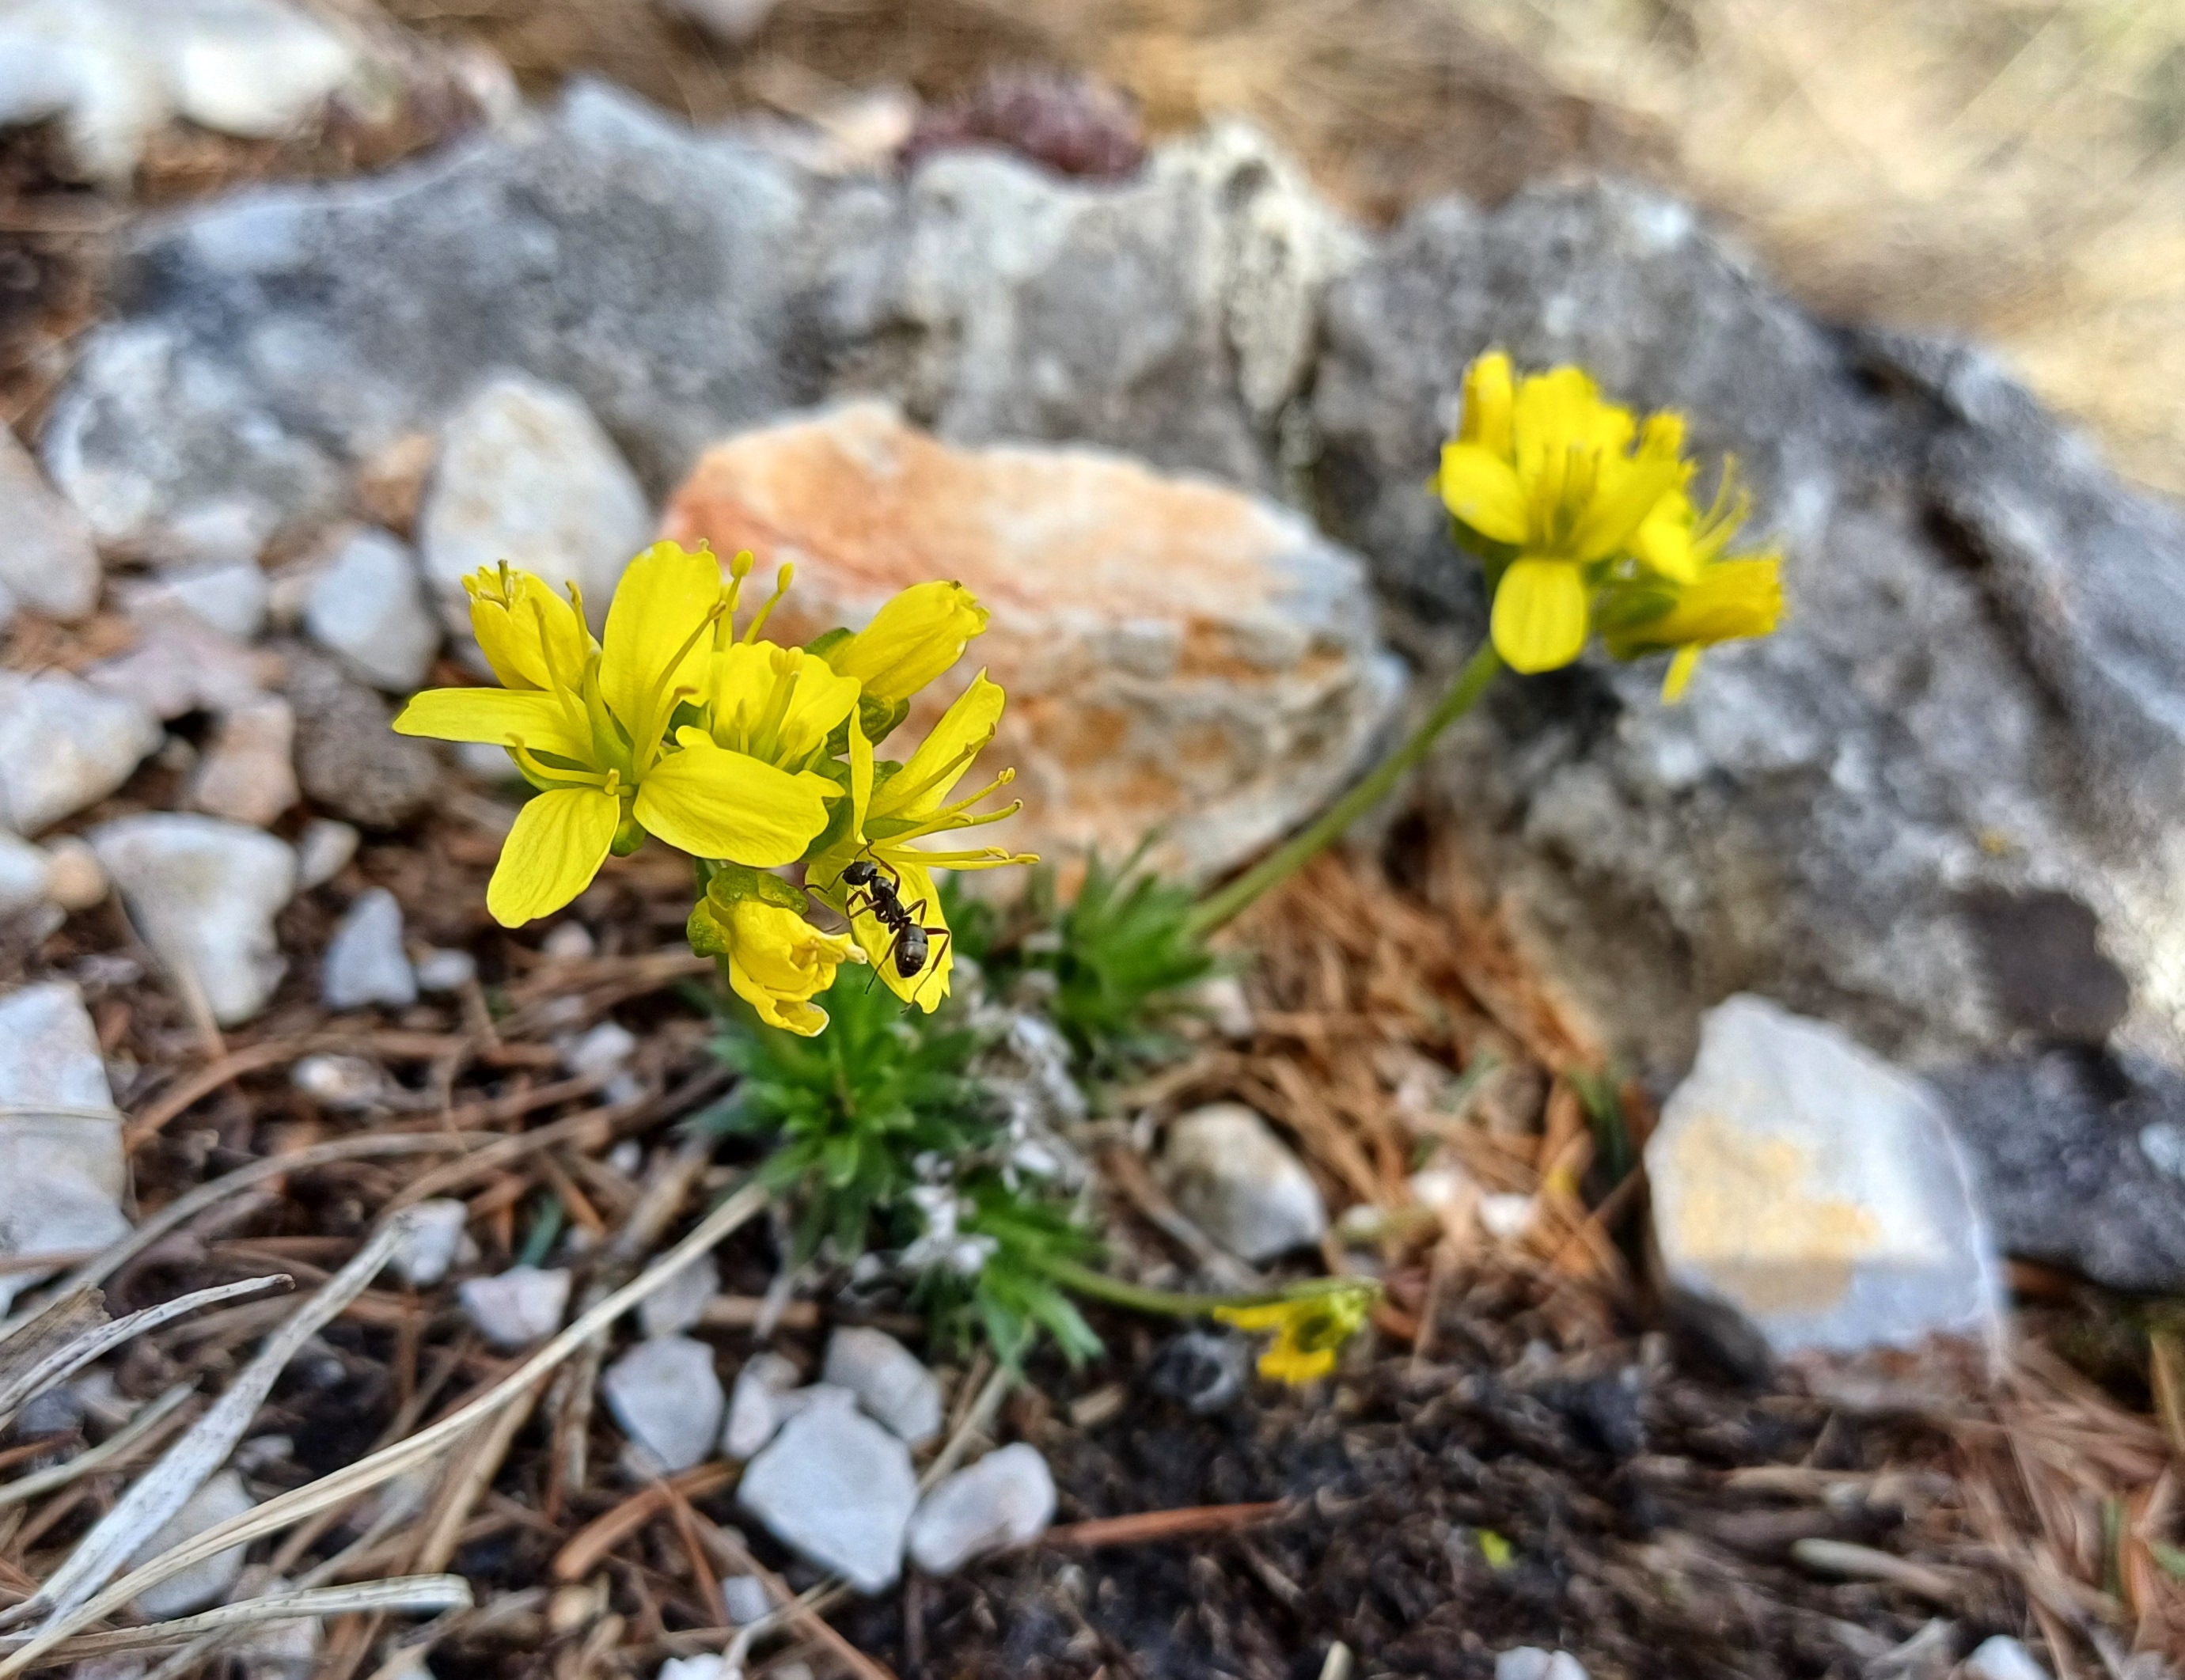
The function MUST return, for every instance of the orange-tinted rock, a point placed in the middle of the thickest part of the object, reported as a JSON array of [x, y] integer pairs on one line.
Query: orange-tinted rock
[[1178, 655]]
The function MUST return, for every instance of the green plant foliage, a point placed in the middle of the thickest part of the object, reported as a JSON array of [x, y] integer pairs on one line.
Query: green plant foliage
[[1012, 1298], [848, 1112], [1121, 955]]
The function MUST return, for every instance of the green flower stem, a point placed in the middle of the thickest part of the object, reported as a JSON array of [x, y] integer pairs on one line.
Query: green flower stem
[[1221, 907], [1168, 1302]]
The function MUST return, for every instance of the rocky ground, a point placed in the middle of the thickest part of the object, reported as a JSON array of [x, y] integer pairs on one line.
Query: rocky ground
[[1637, 1393]]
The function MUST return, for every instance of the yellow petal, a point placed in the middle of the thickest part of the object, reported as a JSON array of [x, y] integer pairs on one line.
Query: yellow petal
[[778, 962], [1664, 541], [1540, 615], [532, 637], [540, 721], [924, 782], [919, 896], [560, 840], [1485, 419], [653, 645], [714, 803], [1482, 491], [911, 640], [1681, 673], [1628, 494]]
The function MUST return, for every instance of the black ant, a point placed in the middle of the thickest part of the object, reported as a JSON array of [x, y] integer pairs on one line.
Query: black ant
[[879, 885]]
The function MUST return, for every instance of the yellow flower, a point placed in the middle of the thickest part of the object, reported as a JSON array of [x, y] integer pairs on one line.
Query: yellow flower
[[779, 704], [911, 640], [1557, 481], [1728, 600], [605, 733], [775, 960], [889, 812], [1310, 1327]]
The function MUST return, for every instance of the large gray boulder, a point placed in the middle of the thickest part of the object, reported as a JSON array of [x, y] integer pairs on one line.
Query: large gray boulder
[[685, 284], [1940, 806]]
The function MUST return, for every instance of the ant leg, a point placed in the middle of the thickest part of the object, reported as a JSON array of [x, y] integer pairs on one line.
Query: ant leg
[[886, 956]]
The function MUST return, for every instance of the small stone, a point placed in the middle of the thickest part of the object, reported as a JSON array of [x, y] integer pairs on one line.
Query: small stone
[[524, 470], [568, 942], [62, 1173], [248, 773], [677, 1304], [439, 971], [705, 1666], [665, 1393], [837, 1488], [429, 1241], [888, 1380], [47, 562], [229, 597], [1809, 1194], [25, 874], [521, 1306], [2002, 1658], [1228, 1010], [180, 664], [64, 744], [350, 762], [745, 1598], [205, 893], [344, 1084], [367, 608], [323, 851], [1227, 650], [1507, 1215], [256, 69], [221, 1498], [601, 1053], [1005, 1499], [1232, 1177], [364, 964], [74, 879], [755, 1408], [1530, 1662]]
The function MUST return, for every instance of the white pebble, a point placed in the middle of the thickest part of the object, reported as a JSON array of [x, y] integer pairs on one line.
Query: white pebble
[[74, 880], [432, 1234], [568, 942], [755, 1405], [441, 971], [365, 963], [675, 1306], [323, 851], [2003, 1658], [521, 1306], [1005, 1499], [888, 1380], [665, 1393], [601, 1053], [745, 1599], [342, 1083]]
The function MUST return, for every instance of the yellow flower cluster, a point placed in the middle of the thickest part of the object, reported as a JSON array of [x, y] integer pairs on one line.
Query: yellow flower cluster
[[746, 753], [1583, 517], [1310, 1325]]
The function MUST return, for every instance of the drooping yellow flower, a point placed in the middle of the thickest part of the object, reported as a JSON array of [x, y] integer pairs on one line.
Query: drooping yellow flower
[[1310, 1327], [1558, 481], [775, 961], [890, 813], [1728, 600], [1689, 594], [913, 638], [602, 731]]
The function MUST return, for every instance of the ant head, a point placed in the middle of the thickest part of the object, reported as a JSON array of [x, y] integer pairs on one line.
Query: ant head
[[860, 874]]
